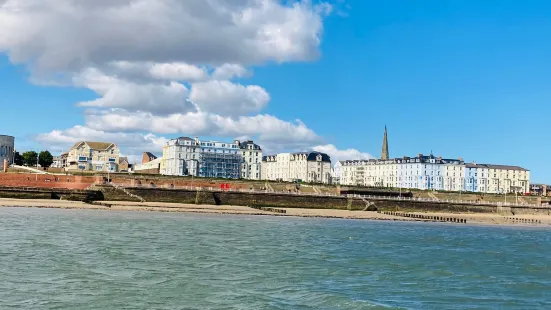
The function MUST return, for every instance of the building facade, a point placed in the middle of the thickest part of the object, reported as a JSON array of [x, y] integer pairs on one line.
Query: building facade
[[499, 179], [336, 173], [93, 156], [251, 168], [57, 163], [210, 159], [7, 151], [310, 167], [149, 167], [421, 172], [435, 173]]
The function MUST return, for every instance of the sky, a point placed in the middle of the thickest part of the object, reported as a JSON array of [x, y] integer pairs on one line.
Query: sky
[[467, 79]]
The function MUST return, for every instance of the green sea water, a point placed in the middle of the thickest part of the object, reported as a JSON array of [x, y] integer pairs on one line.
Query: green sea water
[[83, 259]]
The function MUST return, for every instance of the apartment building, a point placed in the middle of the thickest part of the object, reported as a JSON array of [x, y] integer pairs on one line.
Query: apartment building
[[421, 172], [93, 156], [212, 159], [489, 178], [251, 168], [314, 167], [336, 173], [435, 173]]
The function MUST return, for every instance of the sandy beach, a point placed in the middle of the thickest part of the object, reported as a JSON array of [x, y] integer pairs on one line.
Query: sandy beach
[[472, 218]]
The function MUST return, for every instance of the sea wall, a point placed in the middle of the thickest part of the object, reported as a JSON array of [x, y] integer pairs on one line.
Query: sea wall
[[50, 193], [276, 200], [46, 180]]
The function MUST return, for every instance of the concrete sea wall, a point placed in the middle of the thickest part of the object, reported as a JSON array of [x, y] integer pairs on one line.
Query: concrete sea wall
[[275, 200], [50, 193]]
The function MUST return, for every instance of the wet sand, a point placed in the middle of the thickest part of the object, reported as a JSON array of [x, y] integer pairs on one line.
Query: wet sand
[[472, 218]]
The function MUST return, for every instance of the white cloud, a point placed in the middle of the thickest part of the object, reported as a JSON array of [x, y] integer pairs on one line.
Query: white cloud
[[226, 98], [266, 128], [230, 71], [131, 144], [116, 93], [165, 66], [69, 35], [178, 72], [345, 154]]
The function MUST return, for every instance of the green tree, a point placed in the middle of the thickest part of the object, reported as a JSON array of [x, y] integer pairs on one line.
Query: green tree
[[18, 159], [29, 158], [45, 159]]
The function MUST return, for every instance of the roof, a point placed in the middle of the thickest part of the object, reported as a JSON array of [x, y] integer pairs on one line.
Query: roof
[[94, 145], [184, 138], [310, 156], [122, 159], [150, 155], [245, 145], [505, 167], [499, 167]]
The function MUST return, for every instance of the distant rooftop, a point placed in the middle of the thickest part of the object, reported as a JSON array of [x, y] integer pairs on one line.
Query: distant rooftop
[[94, 145]]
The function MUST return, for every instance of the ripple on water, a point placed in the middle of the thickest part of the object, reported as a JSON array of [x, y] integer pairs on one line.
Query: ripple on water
[[51, 259]]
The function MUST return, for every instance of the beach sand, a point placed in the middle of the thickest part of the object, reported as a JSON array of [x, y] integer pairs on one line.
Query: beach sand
[[472, 218]]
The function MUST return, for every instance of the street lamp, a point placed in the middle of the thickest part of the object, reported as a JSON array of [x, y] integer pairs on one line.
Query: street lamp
[[196, 167]]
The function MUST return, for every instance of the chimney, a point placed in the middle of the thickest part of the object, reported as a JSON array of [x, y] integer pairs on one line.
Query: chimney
[[419, 155], [460, 158], [197, 140]]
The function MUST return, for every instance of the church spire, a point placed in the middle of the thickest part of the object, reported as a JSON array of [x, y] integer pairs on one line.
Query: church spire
[[384, 152]]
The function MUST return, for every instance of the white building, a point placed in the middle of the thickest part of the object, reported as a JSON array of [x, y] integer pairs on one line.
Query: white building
[[212, 159], [251, 168], [336, 173], [310, 167], [57, 162], [488, 178], [435, 173], [7, 151], [454, 176], [421, 172]]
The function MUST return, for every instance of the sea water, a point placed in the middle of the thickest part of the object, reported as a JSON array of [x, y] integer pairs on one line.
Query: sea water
[[85, 259]]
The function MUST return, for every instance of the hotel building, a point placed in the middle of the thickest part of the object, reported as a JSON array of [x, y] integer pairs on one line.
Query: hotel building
[[210, 159], [310, 167], [93, 156], [251, 168]]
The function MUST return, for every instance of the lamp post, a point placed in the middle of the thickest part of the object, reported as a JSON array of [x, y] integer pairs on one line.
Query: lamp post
[[196, 167], [37, 157]]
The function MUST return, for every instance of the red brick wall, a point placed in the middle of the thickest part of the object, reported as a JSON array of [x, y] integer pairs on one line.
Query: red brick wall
[[45, 181]]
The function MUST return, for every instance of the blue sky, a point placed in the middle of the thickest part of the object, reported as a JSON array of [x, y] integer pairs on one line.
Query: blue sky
[[461, 78]]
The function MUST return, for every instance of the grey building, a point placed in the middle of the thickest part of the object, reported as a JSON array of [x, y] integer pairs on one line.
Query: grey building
[[209, 159], [7, 149]]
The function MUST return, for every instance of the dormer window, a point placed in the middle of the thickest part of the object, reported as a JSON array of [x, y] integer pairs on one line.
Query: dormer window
[[318, 158]]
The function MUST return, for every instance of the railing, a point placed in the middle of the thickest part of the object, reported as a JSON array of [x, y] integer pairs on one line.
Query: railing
[[450, 201], [362, 197]]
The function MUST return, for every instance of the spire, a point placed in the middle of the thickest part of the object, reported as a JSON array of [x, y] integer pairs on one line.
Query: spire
[[384, 152]]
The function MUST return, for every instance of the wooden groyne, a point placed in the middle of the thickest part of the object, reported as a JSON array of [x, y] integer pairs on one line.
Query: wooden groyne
[[427, 218], [273, 210]]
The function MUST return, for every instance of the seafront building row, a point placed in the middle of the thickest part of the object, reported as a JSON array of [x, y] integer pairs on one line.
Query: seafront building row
[[433, 173], [213, 159], [185, 156]]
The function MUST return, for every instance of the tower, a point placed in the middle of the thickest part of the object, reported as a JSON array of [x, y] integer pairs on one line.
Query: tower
[[384, 152]]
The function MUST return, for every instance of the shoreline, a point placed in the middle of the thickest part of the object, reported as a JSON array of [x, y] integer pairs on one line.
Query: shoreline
[[471, 218]]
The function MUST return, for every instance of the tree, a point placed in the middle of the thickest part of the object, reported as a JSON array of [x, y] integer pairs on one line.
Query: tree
[[18, 159], [45, 159], [29, 158]]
